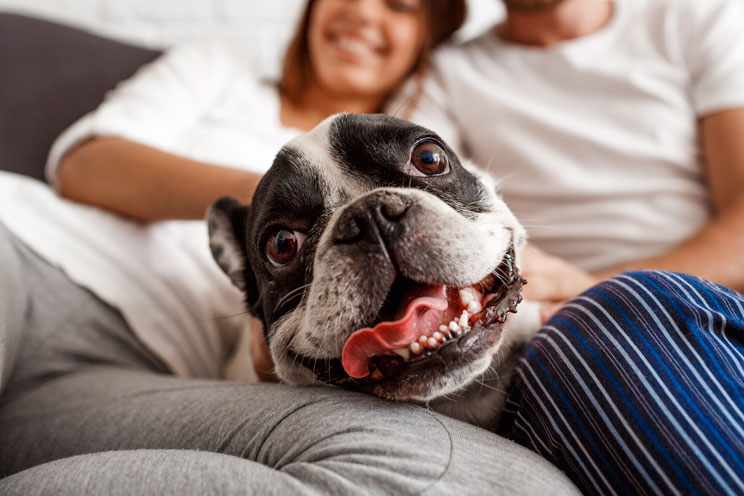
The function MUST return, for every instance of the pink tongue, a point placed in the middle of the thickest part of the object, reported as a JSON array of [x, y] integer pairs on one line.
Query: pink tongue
[[421, 316]]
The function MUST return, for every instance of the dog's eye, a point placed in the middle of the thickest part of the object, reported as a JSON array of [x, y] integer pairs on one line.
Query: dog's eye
[[429, 159], [282, 246]]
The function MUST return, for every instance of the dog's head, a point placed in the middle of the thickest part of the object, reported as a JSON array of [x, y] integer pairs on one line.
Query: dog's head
[[374, 258]]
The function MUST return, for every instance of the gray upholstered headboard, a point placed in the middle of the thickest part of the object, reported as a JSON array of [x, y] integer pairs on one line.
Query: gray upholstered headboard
[[50, 75]]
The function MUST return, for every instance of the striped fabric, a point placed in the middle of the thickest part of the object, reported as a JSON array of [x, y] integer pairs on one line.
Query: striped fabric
[[637, 387]]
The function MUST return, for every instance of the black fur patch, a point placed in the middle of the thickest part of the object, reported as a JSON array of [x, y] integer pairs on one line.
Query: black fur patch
[[375, 150], [378, 149]]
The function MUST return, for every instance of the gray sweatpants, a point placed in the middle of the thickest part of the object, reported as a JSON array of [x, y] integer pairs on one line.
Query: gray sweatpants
[[86, 409]]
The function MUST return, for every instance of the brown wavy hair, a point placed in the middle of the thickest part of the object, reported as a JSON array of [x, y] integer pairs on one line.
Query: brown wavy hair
[[440, 20]]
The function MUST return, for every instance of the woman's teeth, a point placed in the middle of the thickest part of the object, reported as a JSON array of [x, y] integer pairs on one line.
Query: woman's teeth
[[355, 46]]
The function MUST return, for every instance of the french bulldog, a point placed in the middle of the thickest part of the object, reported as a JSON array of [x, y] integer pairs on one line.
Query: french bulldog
[[378, 261]]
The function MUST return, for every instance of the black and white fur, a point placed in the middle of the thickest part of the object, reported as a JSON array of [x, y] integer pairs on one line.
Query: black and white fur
[[456, 231]]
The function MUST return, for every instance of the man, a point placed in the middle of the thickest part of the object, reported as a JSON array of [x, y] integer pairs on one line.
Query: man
[[616, 128]]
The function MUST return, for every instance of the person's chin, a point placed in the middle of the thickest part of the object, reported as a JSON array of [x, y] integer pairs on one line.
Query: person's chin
[[352, 83]]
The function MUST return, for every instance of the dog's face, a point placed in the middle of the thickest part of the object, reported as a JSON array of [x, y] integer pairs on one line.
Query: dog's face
[[375, 260]]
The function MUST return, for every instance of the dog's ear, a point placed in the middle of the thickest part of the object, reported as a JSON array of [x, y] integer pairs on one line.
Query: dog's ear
[[228, 220]]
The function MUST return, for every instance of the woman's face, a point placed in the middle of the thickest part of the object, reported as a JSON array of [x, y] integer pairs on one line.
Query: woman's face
[[364, 47]]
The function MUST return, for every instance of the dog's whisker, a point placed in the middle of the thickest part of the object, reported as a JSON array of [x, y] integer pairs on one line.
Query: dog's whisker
[[294, 360], [426, 188], [282, 356], [292, 294], [225, 317], [490, 162], [449, 398], [484, 384], [337, 337], [402, 106], [503, 179], [527, 219], [285, 352]]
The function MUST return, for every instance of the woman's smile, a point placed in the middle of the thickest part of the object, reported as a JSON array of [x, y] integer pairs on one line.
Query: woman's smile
[[354, 47]]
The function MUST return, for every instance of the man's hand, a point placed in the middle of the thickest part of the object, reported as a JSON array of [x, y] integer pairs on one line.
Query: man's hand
[[551, 280]]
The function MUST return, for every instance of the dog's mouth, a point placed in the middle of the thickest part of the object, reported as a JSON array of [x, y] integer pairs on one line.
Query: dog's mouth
[[424, 326]]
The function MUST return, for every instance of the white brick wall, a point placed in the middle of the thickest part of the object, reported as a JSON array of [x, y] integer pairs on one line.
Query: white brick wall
[[261, 28]]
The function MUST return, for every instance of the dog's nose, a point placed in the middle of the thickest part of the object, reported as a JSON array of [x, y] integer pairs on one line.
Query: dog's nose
[[374, 218]]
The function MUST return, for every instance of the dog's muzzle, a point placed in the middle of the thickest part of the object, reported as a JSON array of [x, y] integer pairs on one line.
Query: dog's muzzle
[[420, 326], [432, 322]]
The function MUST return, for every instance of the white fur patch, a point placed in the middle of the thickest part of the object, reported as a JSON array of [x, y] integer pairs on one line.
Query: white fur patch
[[314, 147]]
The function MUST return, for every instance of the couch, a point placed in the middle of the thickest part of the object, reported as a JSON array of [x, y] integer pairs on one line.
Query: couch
[[50, 76]]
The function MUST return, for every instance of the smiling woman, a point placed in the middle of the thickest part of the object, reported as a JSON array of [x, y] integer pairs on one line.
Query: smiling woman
[[344, 48]]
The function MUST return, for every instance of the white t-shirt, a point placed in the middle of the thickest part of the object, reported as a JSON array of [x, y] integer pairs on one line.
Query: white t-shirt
[[595, 140], [198, 101]]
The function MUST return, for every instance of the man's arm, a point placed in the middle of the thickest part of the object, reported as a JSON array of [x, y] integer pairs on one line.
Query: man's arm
[[716, 252], [145, 183]]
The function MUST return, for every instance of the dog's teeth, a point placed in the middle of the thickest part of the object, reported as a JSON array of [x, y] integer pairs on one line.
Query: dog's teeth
[[404, 353], [432, 343], [466, 296], [416, 348], [464, 319], [422, 340], [443, 329], [438, 336], [453, 326], [474, 307]]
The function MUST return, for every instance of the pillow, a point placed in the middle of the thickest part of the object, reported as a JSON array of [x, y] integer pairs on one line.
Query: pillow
[[51, 75]]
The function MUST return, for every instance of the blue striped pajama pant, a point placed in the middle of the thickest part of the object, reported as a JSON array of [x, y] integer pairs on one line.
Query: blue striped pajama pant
[[637, 387]]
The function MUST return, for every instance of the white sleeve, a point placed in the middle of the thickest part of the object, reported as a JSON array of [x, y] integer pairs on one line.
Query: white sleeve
[[155, 105], [714, 51]]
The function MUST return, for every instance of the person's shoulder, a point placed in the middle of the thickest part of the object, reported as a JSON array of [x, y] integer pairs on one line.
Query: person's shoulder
[[454, 57], [635, 11], [694, 7], [709, 19], [690, 10], [208, 54], [464, 49]]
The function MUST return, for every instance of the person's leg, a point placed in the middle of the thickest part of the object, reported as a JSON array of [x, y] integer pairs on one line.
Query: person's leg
[[637, 387], [152, 472], [13, 304], [55, 327], [297, 440], [83, 384]]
